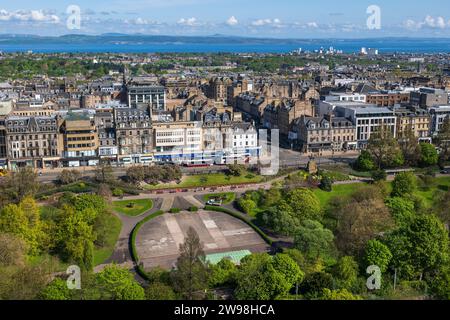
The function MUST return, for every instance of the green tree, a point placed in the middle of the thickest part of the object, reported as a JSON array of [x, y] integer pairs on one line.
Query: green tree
[[246, 205], [191, 275], [75, 238], [271, 197], [21, 183], [89, 201], [341, 294], [314, 284], [443, 140], [365, 162], [360, 218], [404, 184], [440, 283], [409, 144], [304, 204], [25, 282], [428, 155], [420, 247], [56, 290], [104, 173], [284, 264], [223, 273], [346, 272], [442, 209], [105, 192], [13, 250], [379, 175], [236, 170], [313, 239], [24, 224], [116, 283], [136, 174], [402, 209], [69, 176], [159, 291], [262, 277], [326, 184], [281, 219], [377, 254], [384, 149]]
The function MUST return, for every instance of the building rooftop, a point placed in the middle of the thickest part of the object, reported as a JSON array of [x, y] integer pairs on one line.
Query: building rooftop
[[234, 256]]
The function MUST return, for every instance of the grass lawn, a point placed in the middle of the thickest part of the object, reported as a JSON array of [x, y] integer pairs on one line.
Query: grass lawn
[[347, 170], [54, 261], [103, 253], [215, 179], [227, 197], [430, 193], [132, 208], [341, 190]]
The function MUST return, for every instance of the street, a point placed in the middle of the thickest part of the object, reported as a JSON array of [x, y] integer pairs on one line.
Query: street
[[288, 158]]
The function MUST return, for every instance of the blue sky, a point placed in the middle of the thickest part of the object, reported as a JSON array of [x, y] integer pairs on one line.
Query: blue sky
[[282, 18]]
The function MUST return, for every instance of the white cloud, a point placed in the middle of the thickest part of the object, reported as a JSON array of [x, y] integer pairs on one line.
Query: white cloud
[[190, 22], [232, 21], [141, 21], [266, 22], [261, 22], [429, 22], [29, 15], [312, 24]]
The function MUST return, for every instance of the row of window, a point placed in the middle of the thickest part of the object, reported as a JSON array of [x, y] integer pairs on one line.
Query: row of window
[[31, 154], [81, 145]]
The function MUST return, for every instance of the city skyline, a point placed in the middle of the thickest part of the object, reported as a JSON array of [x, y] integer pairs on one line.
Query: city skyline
[[289, 19]]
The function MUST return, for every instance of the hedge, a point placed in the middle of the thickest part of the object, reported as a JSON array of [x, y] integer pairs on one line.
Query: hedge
[[76, 187], [134, 254], [240, 217]]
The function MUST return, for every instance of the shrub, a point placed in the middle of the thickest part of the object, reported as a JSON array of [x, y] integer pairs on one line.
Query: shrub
[[365, 162], [193, 209], [428, 155], [236, 170], [404, 184], [69, 176], [326, 184], [175, 210], [379, 175], [117, 192], [246, 205]]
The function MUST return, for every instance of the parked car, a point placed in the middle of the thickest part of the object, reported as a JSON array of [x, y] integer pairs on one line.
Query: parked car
[[214, 202]]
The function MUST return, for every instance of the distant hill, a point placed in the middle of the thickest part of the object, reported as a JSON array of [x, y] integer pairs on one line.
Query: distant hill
[[113, 38]]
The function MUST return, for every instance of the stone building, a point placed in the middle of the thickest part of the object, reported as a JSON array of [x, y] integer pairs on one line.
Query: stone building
[[134, 135], [81, 144], [325, 134], [104, 122], [217, 89], [416, 120], [33, 141]]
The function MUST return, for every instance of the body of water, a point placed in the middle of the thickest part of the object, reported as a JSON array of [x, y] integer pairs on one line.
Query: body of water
[[348, 46]]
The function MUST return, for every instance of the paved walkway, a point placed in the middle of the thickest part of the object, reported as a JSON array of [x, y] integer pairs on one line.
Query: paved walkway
[[192, 200], [121, 254], [167, 203]]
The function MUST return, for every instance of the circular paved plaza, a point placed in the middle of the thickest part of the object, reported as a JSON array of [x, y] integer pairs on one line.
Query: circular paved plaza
[[158, 240]]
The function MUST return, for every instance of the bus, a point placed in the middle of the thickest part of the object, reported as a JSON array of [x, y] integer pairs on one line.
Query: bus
[[198, 163]]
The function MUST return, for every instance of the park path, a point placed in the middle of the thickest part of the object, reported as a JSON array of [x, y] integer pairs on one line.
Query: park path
[[121, 254]]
